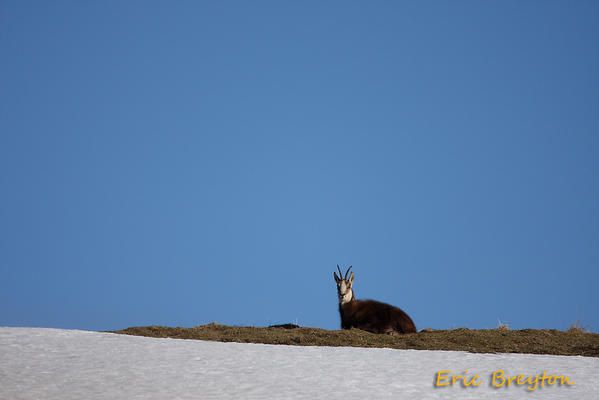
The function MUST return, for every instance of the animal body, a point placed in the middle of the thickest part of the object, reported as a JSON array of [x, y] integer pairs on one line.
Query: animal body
[[369, 315]]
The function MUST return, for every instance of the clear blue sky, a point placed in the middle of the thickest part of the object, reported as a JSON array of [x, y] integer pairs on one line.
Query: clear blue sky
[[179, 163]]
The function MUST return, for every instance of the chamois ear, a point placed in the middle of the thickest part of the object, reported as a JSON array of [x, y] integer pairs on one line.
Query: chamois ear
[[337, 279], [351, 278]]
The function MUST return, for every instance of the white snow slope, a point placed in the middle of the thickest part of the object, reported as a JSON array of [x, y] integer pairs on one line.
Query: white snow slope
[[65, 364]]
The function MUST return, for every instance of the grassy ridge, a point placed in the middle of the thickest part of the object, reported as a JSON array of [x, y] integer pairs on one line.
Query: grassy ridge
[[533, 341]]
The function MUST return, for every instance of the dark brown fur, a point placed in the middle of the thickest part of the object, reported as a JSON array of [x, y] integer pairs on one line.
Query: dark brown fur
[[374, 316]]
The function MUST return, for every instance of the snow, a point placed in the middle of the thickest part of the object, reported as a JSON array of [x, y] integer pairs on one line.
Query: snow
[[37, 363]]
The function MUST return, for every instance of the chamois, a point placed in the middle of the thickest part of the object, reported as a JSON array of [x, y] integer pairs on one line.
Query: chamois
[[369, 315]]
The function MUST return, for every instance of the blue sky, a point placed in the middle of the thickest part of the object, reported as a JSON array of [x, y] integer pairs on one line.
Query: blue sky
[[178, 163]]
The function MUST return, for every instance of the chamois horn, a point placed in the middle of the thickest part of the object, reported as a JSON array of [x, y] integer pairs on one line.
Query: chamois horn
[[340, 273], [347, 272]]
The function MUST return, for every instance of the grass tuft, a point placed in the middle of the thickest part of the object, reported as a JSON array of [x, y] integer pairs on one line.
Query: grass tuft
[[577, 327]]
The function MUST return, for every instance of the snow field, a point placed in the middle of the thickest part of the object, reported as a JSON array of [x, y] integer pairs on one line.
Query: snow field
[[38, 363]]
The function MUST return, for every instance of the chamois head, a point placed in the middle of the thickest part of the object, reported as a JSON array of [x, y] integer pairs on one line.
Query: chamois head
[[344, 285]]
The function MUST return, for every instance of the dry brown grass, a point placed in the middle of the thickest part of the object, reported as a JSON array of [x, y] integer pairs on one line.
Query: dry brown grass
[[478, 341], [577, 328], [503, 327]]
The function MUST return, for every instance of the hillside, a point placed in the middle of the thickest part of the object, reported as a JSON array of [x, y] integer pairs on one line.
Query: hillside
[[533, 341]]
